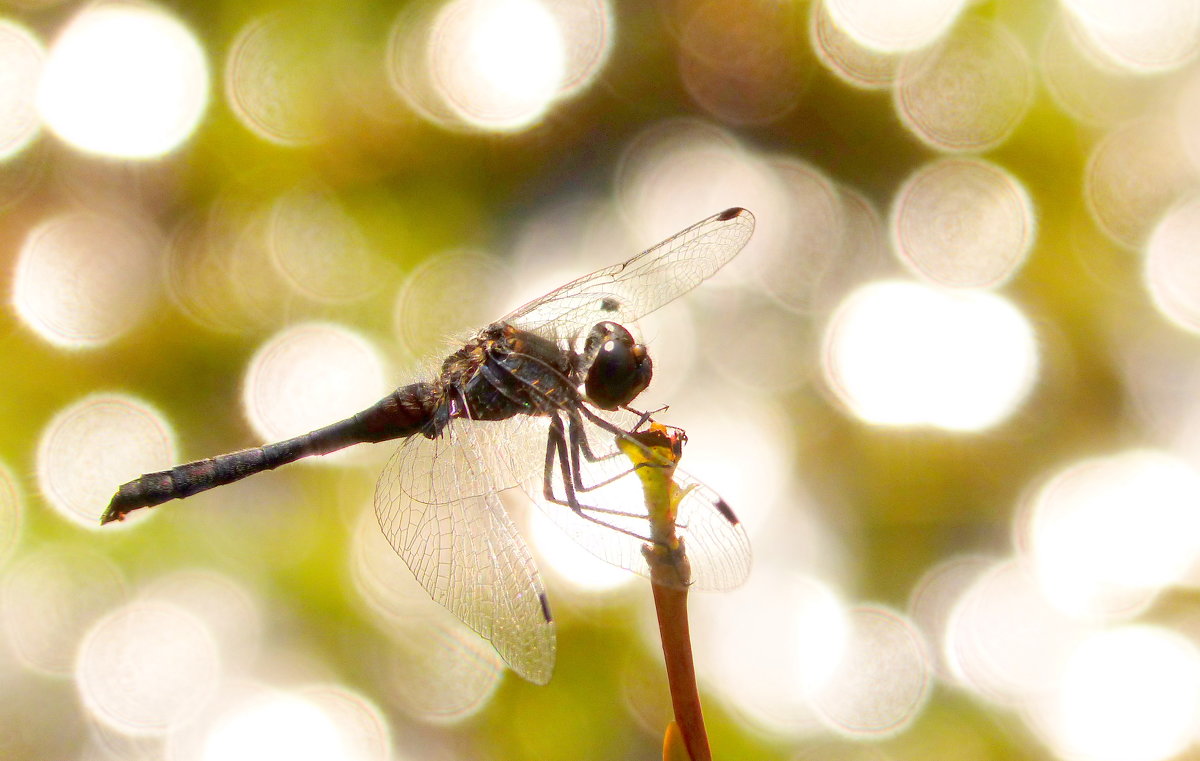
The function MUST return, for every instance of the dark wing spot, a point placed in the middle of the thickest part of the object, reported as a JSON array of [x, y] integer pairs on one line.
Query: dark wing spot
[[545, 607], [726, 512], [729, 214], [609, 304]]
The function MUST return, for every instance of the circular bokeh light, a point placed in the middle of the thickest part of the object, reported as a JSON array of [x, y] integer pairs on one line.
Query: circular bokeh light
[[1105, 535], [881, 679], [1128, 694], [309, 376], [82, 278], [49, 599], [1172, 269], [893, 27], [902, 354], [145, 667], [124, 79], [1135, 173], [21, 60], [969, 92], [94, 446], [499, 64], [963, 223], [1149, 36], [269, 76]]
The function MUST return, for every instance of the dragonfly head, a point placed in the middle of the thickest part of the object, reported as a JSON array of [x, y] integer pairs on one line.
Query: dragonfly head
[[618, 368]]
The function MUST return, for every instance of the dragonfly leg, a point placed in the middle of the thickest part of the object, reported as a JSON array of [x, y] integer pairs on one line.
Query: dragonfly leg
[[557, 451], [579, 444], [652, 459], [644, 417]]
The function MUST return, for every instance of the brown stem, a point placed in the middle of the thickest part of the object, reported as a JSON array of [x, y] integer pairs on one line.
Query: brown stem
[[671, 606]]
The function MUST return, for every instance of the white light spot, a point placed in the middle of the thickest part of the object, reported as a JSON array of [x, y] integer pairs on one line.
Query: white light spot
[[146, 667], [794, 273], [1089, 90], [587, 29], [359, 722], [83, 279], [1147, 36], [498, 64], [220, 271], [1004, 639], [50, 598], [21, 59], [791, 632], [1134, 175], [94, 446], [1172, 269], [579, 568], [124, 79], [227, 610], [899, 353], [890, 26], [1187, 117], [750, 359], [881, 679], [1130, 694], [963, 223], [933, 600], [275, 725], [309, 376], [862, 254], [843, 55], [967, 93], [1105, 535]]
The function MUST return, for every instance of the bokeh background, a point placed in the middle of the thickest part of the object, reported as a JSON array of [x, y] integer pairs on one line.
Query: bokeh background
[[950, 386]]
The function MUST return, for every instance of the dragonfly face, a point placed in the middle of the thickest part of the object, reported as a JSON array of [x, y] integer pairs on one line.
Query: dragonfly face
[[618, 368]]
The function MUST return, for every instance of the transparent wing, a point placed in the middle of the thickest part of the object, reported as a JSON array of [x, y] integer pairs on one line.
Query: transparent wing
[[717, 547], [628, 291], [437, 505]]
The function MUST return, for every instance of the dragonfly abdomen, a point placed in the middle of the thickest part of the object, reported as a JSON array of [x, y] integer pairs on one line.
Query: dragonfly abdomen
[[402, 413]]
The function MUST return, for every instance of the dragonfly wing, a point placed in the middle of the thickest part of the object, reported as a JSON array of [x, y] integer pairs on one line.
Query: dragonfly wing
[[438, 507], [515, 448], [718, 550], [628, 291]]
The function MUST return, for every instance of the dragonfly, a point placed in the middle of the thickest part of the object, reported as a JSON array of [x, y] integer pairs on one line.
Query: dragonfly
[[537, 400]]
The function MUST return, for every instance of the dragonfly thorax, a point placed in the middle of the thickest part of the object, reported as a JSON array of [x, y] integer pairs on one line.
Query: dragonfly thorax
[[617, 367]]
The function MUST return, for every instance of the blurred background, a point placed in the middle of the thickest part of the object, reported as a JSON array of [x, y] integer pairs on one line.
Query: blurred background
[[950, 385]]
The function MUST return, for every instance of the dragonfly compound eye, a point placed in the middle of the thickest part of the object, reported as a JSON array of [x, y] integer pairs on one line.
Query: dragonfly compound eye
[[618, 368]]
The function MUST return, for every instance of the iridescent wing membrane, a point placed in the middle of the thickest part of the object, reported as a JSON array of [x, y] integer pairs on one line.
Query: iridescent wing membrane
[[437, 502], [628, 291]]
